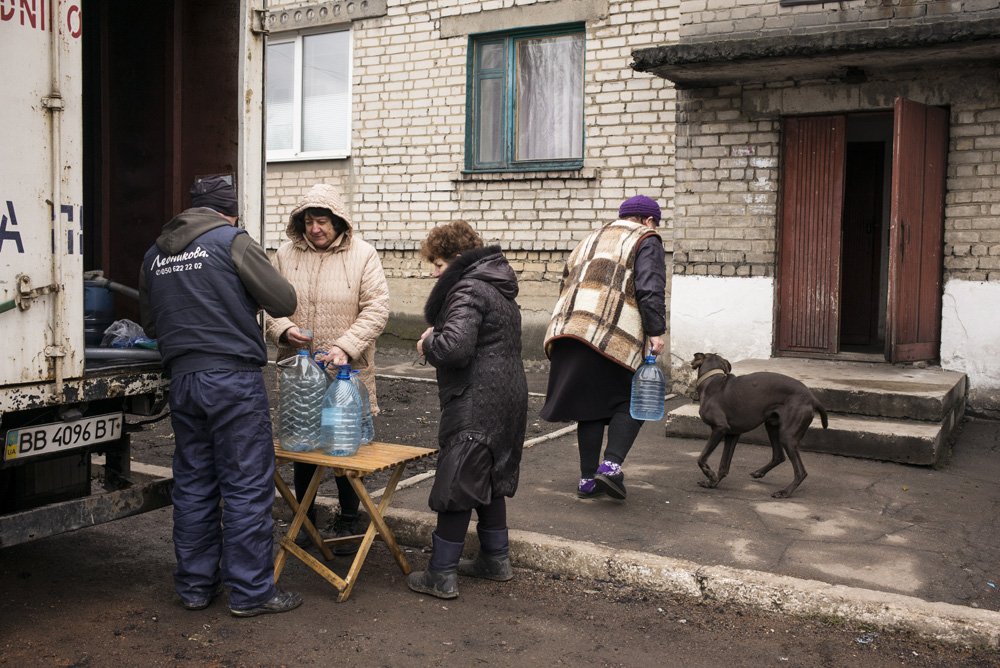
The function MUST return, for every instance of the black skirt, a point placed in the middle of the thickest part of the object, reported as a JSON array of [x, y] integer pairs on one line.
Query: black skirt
[[584, 384]]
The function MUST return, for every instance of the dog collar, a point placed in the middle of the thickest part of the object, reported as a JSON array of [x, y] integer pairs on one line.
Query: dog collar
[[713, 372]]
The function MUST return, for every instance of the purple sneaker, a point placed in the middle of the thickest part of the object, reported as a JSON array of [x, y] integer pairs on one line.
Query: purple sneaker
[[610, 479], [588, 489]]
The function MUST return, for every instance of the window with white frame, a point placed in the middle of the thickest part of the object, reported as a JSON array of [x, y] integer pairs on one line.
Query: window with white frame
[[308, 104], [525, 100]]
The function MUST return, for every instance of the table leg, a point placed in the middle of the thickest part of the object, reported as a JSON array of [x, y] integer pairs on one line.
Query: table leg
[[298, 521], [377, 526], [383, 505]]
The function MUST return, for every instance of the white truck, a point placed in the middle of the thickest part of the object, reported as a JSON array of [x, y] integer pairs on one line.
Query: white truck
[[108, 112]]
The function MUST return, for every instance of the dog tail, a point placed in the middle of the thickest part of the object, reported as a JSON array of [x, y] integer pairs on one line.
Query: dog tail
[[822, 413]]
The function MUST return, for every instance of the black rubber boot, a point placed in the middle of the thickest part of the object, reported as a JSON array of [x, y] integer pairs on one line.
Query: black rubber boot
[[493, 561], [440, 579], [303, 539], [346, 525]]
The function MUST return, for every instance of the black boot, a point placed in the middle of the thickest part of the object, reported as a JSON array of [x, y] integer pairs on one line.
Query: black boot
[[303, 539], [440, 579], [493, 562], [346, 525]]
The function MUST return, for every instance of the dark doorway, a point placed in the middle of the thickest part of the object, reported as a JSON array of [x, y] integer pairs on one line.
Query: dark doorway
[[864, 227]]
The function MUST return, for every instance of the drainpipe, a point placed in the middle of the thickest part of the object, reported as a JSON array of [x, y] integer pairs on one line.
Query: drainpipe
[[54, 104]]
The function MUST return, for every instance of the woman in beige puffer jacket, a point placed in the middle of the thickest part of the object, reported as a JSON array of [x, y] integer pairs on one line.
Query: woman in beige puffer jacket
[[342, 297]]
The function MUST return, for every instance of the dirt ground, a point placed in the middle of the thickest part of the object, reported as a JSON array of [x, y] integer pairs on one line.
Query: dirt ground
[[104, 597]]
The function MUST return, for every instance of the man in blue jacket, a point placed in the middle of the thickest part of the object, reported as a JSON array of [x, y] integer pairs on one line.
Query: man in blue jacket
[[201, 286]]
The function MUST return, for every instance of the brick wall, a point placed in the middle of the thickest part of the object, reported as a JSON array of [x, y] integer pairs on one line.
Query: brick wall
[[728, 167], [725, 205], [404, 175], [529, 265], [702, 20], [972, 207]]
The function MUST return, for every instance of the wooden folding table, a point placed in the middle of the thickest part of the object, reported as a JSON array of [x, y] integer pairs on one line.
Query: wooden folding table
[[371, 458]]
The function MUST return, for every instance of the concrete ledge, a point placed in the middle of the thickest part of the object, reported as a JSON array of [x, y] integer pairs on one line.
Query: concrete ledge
[[805, 598], [872, 390], [904, 441]]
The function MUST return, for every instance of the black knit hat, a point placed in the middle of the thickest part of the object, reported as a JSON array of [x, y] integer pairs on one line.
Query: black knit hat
[[216, 193]]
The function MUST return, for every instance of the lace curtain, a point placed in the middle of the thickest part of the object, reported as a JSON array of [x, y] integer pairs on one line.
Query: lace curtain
[[549, 97]]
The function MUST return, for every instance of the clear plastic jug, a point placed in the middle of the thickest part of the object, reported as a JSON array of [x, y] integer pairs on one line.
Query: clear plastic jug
[[649, 391], [367, 423], [341, 423], [302, 388]]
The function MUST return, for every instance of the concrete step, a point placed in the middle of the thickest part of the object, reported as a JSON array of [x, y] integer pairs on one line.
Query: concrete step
[[876, 390], [906, 441]]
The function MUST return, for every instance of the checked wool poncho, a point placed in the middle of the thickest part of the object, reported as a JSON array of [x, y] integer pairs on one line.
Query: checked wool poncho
[[597, 301]]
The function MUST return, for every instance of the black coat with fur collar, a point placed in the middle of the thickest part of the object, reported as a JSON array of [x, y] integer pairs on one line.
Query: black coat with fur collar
[[476, 349]]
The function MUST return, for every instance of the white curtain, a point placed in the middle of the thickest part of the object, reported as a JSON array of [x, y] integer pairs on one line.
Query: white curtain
[[550, 98]]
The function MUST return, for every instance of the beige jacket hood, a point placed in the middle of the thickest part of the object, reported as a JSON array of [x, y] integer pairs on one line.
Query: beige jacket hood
[[320, 196]]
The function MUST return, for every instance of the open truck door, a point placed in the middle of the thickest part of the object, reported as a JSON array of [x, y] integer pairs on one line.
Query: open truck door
[[108, 113]]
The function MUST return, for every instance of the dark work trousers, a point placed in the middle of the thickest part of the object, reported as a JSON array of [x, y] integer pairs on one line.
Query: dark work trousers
[[452, 525], [224, 451], [622, 430], [349, 501]]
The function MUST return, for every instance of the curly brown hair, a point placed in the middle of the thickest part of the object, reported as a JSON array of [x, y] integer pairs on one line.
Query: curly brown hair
[[447, 241]]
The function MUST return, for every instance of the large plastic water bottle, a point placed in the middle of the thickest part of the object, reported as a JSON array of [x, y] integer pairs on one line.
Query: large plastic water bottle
[[303, 386], [341, 426], [649, 391], [367, 424]]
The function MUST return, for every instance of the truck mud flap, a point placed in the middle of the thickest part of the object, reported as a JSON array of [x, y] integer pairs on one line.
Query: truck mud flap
[[21, 527]]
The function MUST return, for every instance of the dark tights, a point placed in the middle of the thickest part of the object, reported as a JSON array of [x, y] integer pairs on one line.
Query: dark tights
[[349, 501], [452, 525], [622, 430]]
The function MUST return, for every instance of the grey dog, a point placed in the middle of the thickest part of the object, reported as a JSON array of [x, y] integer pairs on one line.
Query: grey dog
[[733, 405]]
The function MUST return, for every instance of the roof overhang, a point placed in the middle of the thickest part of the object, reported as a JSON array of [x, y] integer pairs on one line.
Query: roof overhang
[[846, 54]]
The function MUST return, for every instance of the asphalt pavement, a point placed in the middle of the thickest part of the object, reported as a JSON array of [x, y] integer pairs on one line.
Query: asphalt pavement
[[896, 546]]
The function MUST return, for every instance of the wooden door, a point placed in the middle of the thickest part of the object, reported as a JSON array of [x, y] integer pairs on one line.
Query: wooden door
[[920, 149], [813, 153]]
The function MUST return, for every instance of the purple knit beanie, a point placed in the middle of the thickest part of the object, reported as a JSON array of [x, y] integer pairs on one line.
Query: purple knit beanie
[[640, 205]]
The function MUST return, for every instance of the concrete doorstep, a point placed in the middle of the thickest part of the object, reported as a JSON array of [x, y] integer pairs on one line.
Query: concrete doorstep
[[787, 595]]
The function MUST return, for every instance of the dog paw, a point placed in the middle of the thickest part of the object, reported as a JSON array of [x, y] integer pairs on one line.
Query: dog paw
[[756, 475], [781, 494], [708, 484]]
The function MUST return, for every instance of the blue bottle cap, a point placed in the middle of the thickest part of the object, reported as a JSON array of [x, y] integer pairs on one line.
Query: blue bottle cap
[[344, 371], [650, 359]]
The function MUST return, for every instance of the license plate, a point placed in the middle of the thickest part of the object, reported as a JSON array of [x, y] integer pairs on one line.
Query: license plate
[[48, 438]]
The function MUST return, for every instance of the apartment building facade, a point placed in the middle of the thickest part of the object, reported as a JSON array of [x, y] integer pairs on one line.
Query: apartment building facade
[[521, 117], [837, 182]]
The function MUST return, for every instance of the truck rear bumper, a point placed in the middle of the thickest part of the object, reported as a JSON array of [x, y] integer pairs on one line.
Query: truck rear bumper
[[57, 518]]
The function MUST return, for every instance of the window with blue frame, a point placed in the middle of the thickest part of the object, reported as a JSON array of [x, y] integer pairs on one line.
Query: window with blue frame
[[525, 100]]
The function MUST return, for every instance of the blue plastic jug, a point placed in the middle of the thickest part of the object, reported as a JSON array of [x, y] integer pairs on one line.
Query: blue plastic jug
[[302, 388], [341, 424], [367, 423], [649, 391]]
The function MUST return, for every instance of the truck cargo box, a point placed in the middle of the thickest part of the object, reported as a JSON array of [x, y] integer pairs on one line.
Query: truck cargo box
[[109, 112]]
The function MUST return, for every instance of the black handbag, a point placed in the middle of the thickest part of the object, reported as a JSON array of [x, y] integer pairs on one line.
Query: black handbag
[[463, 480]]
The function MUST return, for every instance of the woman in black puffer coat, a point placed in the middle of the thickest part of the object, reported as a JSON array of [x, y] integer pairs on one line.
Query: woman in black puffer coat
[[475, 345]]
